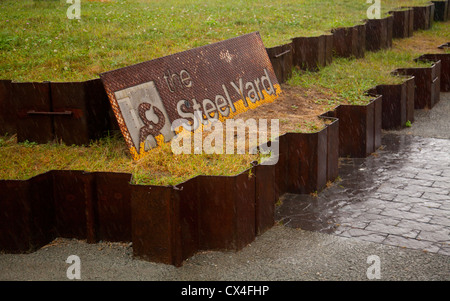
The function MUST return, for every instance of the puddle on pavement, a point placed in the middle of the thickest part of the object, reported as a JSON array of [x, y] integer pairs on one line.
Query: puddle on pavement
[[359, 179]]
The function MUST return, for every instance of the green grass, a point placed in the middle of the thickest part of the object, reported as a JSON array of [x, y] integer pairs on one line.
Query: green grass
[[425, 41], [21, 161], [350, 78], [39, 43]]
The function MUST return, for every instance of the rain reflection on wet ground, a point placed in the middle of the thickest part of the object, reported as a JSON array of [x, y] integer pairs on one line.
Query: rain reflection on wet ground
[[399, 196]]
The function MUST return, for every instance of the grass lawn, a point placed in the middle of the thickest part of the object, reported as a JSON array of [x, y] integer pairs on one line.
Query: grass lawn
[[348, 79], [24, 160], [38, 42]]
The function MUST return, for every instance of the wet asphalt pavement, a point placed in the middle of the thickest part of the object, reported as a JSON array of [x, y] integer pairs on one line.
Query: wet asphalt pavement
[[394, 204]]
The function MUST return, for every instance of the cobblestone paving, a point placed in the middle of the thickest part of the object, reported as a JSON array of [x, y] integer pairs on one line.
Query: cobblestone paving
[[399, 196]]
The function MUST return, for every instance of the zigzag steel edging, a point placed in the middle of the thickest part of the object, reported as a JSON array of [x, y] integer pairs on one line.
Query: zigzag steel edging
[[35, 220], [170, 224], [398, 103], [312, 53], [165, 223]]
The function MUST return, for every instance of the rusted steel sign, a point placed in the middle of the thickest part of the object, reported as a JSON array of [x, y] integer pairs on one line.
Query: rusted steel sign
[[217, 81]]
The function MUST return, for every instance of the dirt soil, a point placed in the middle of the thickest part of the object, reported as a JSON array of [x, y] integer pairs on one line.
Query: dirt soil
[[297, 109], [418, 43]]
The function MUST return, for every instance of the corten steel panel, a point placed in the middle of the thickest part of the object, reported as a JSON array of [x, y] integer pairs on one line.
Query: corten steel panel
[[445, 68], [89, 185], [217, 213], [265, 198], [42, 209], [100, 115], [378, 111], [71, 199], [70, 97], [410, 88], [226, 211], [448, 11], [361, 42], [342, 42], [422, 17], [402, 23], [188, 239], [281, 167], [307, 54], [376, 34], [351, 138], [441, 10], [437, 81], [423, 94], [432, 12], [322, 161], [90, 111], [312, 53], [434, 93], [369, 112], [168, 86], [8, 115], [358, 130], [346, 42], [332, 149], [243, 187], [394, 105], [307, 170], [411, 22], [390, 31], [152, 209], [281, 58], [328, 48], [33, 97], [15, 217], [113, 206]]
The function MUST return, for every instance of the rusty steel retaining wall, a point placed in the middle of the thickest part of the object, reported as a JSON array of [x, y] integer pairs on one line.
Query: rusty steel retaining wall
[[379, 33], [444, 58], [359, 128], [71, 204], [312, 53], [398, 103], [427, 84], [423, 16], [281, 58], [171, 223], [441, 10], [349, 41], [166, 224], [74, 112], [403, 25]]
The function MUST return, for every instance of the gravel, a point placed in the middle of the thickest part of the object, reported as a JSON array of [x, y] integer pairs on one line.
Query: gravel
[[279, 254]]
